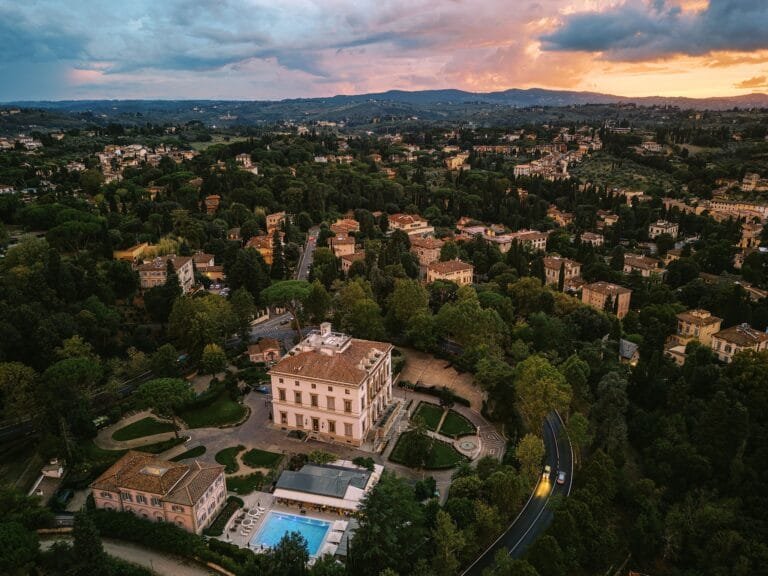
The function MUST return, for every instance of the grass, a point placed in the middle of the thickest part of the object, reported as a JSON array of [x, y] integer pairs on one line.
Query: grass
[[228, 458], [430, 413], [455, 425], [256, 458], [223, 410], [193, 453], [441, 454], [246, 484], [145, 427]]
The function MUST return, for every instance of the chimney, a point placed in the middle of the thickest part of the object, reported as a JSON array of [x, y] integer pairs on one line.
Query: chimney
[[325, 329]]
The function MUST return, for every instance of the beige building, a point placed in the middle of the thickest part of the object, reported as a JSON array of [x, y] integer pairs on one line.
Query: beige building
[[342, 245], [555, 266], [263, 245], [698, 325], [266, 350], [427, 250], [531, 239], [154, 272], [451, 270], [662, 227], [730, 341], [332, 386], [750, 235], [348, 259], [345, 226], [189, 496], [132, 254], [274, 221], [607, 297], [644, 265], [205, 264], [411, 224], [596, 240]]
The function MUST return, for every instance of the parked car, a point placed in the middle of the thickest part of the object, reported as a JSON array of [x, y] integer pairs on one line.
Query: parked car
[[561, 477], [261, 388], [547, 473]]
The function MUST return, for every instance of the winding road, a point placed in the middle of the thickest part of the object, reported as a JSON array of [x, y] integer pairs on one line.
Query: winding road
[[537, 513]]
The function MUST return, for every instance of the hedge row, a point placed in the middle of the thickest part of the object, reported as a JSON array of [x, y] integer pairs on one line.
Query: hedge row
[[217, 526], [436, 391]]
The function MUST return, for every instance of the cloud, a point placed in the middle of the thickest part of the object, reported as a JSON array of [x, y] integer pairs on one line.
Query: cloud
[[754, 82], [637, 30]]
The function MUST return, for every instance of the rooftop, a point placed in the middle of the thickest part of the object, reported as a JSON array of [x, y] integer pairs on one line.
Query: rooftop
[[742, 335], [324, 479], [427, 243], [607, 288], [698, 317], [450, 266]]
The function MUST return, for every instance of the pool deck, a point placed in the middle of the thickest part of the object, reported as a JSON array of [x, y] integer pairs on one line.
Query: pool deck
[[235, 534]]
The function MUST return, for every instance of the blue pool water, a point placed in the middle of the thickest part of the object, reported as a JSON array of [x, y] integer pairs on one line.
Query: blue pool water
[[276, 525]]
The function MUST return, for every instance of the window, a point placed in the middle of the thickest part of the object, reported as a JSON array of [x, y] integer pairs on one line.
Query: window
[[347, 405], [297, 397], [314, 386], [280, 380], [362, 404], [299, 420], [295, 382], [315, 425], [346, 392], [347, 429], [330, 402], [126, 497], [283, 417], [141, 499], [281, 394], [330, 388], [155, 501], [332, 426], [176, 508], [106, 495], [313, 400]]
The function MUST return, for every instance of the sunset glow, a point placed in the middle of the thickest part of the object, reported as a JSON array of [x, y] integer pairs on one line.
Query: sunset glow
[[252, 49]]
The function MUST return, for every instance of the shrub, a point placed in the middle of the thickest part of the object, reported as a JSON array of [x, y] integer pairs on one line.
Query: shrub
[[217, 526], [436, 391], [364, 461], [256, 458]]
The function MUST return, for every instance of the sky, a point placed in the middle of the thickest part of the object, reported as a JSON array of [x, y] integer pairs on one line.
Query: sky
[[274, 49]]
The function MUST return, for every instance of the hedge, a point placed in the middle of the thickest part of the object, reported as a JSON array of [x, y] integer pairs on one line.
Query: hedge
[[168, 538], [436, 391], [217, 526]]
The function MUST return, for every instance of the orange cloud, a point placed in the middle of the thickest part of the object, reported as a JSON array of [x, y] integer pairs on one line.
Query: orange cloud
[[754, 82]]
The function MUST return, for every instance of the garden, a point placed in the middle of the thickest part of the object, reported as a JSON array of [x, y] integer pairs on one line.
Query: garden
[[454, 425], [424, 452], [148, 426]]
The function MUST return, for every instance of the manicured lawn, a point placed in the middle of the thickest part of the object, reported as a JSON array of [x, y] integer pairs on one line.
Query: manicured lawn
[[193, 453], [246, 484], [431, 413], [145, 427], [456, 425], [221, 411], [441, 455], [228, 458], [256, 458], [159, 447]]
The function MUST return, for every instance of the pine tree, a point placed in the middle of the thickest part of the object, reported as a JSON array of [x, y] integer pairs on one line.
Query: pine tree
[[277, 271]]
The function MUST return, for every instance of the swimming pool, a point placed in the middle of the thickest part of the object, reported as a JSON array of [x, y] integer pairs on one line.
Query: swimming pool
[[277, 524]]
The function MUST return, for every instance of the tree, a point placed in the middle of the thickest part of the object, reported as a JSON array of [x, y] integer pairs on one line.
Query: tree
[[408, 299], [609, 413], [391, 529], [289, 294], [19, 549], [530, 453], [213, 360], [448, 543], [540, 388], [18, 396], [416, 444], [164, 362], [249, 271], [317, 303], [364, 321], [244, 308], [166, 396], [290, 556], [87, 550], [277, 271], [195, 322]]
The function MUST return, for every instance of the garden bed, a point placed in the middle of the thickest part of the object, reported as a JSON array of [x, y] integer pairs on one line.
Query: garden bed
[[441, 456], [246, 484], [256, 458], [455, 426], [192, 453], [222, 410], [145, 427], [228, 458], [217, 526], [430, 413]]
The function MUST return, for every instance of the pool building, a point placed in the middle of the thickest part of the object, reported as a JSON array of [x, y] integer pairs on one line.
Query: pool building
[[335, 488]]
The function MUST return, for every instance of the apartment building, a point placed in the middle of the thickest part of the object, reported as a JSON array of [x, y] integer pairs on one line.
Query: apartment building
[[593, 238], [643, 265], [427, 250], [531, 239], [411, 224], [607, 297], [556, 267], [274, 221], [730, 341], [332, 386], [263, 245], [750, 235], [342, 245], [154, 272], [662, 227], [451, 270], [187, 495]]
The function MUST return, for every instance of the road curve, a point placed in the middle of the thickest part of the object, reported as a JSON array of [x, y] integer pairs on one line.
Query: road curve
[[537, 513]]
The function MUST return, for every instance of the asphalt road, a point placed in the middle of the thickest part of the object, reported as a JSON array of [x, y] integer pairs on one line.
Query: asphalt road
[[305, 260], [537, 513]]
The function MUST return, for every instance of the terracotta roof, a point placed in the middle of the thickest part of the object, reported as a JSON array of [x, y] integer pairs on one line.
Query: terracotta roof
[[698, 317], [405, 219], [591, 236], [259, 242], [341, 240], [427, 243], [202, 258], [194, 484], [160, 263], [264, 345], [742, 335], [343, 367], [141, 471], [354, 257], [607, 288], [554, 262], [449, 266], [643, 262]]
